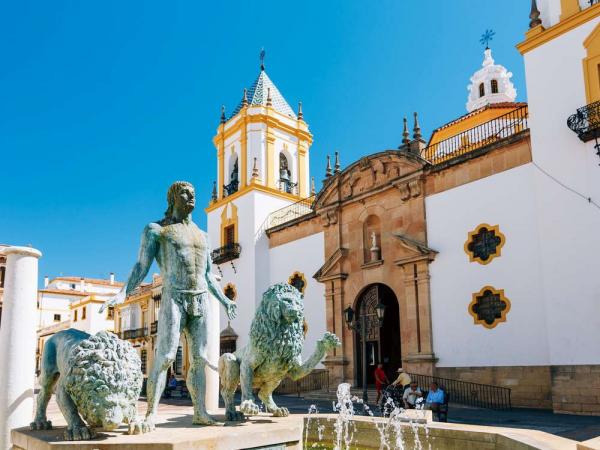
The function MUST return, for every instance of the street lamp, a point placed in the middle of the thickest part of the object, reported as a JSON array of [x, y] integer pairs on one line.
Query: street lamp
[[360, 328]]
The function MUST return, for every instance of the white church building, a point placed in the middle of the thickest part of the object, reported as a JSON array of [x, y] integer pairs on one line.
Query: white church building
[[479, 242]]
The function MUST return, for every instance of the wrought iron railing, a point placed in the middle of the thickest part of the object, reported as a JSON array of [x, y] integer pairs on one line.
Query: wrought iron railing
[[586, 122], [135, 333], [154, 327], [291, 212], [226, 253], [317, 380], [478, 137], [287, 186], [467, 393]]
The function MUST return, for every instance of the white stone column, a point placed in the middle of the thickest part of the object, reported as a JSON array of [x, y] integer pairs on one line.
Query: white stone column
[[18, 340], [212, 377]]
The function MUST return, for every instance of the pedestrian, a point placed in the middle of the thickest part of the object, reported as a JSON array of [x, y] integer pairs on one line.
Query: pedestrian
[[411, 394], [171, 385], [403, 379], [381, 380], [435, 398]]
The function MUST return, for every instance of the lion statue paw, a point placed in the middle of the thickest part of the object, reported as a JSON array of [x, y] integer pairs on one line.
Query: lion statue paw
[[140, 426], [79, 433], [249, 408], [280, 412], [41, 425], [234, 416]]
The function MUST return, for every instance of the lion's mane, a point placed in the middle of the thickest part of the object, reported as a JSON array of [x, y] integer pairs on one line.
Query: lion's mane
[[272, 336], [100, 366]]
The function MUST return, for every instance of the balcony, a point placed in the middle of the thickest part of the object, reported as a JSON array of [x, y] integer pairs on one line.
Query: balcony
[[290, 213], [135, 333], [478, 138], [586, 122], [154, 327], [287, 186], [226, 253]]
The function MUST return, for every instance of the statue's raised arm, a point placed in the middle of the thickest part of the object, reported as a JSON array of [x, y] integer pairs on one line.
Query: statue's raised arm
[[146, 255]]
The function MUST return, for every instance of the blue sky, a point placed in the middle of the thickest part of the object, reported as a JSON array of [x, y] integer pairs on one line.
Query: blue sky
[[104, 104]]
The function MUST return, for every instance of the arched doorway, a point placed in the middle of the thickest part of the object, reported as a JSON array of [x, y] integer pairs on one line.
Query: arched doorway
[[383, 343]]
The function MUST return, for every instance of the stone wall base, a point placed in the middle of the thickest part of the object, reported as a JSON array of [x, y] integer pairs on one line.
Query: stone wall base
[[564, 389]]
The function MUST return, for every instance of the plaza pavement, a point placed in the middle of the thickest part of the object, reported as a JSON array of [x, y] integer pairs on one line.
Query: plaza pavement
[[579, 428]]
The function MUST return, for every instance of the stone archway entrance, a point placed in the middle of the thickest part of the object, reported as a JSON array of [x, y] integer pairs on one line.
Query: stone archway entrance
[[383, 344]]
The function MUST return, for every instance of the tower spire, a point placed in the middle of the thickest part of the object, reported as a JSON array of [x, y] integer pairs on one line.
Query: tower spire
[[214, 192], [223, 118], [336, 168], [300, 114], [405, 133], [534, 15], [328, 172], [245, 98], [417, 129]]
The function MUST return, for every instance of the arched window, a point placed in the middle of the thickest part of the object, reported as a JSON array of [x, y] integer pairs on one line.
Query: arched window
[[285, 175], [481, 89], [494, 86]]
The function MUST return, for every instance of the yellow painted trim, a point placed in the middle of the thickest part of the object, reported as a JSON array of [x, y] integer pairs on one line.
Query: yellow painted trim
[[301, 275], [86, 301], [533, 41], [221, 166], [499, 292], [591, 66], [244, 150], [251, 187], [302, 187], [232, 286], [498, 253], [227, 221], [568, 8]]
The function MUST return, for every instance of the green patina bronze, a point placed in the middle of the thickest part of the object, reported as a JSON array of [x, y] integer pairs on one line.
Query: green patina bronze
[[274, 352], [182, 252], [97, 378]]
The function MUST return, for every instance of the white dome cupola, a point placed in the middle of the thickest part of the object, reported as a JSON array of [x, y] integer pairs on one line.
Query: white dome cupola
[[490, 84]]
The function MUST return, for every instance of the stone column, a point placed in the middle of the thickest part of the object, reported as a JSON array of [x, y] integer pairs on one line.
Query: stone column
[[212, 347], [18, 340]]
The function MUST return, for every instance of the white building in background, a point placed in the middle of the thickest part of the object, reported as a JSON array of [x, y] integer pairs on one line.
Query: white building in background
[[2, 275], [263, 166], [74, 302]]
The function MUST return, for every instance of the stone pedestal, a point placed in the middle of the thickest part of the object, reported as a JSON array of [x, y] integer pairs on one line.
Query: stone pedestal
[[18, 340]]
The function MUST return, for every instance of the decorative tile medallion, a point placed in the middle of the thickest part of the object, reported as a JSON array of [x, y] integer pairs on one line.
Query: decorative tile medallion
[[484, 243], [489, 307], [298, 281]]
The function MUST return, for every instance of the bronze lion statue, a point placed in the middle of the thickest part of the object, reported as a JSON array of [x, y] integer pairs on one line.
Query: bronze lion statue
[[97, 379], [274, 352]]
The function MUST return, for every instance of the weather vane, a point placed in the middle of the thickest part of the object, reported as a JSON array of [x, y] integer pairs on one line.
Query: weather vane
[[262, 58], [487, 37]]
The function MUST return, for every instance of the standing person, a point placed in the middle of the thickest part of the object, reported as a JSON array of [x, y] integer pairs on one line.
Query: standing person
[[182, 252], [381, 380], [411, 394], [403, 379]]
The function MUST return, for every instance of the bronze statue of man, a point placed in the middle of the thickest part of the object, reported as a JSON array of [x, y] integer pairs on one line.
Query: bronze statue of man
[[182, 252]]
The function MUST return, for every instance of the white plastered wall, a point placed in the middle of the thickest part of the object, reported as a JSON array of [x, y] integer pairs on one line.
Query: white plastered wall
[[506, 199]]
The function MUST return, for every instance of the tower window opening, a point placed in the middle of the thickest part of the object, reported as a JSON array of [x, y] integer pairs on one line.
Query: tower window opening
[[494, 86], [285, 175], [481, 89], [234, 182]]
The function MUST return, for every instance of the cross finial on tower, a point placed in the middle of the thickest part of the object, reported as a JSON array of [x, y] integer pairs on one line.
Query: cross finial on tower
[[262, 58], [487, 37]]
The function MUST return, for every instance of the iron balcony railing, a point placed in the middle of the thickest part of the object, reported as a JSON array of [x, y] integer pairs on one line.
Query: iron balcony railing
[[317, 380], [135, 333], [226, 253], [230, 188], [487, 133], [291, 212], [586, 122], [467, 393]]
